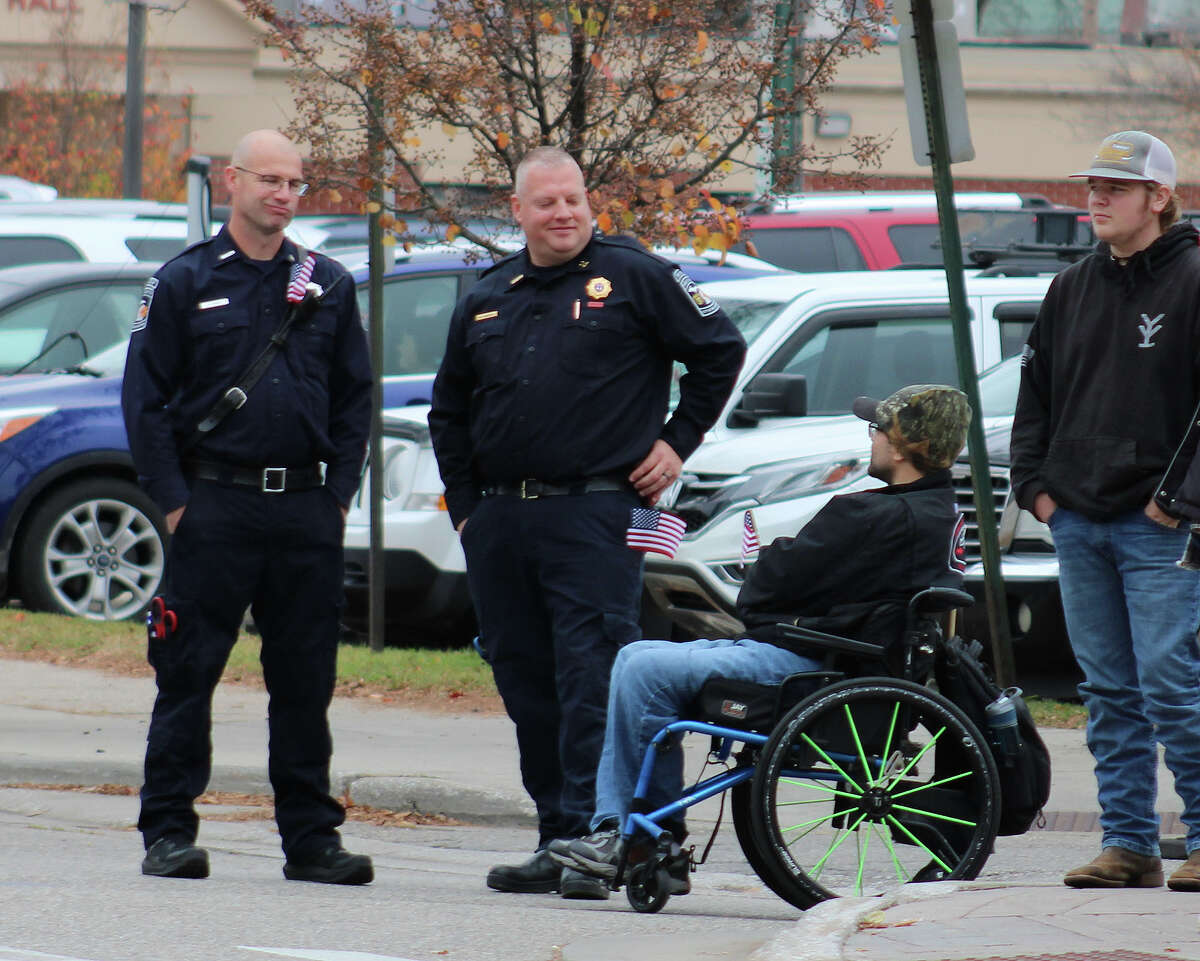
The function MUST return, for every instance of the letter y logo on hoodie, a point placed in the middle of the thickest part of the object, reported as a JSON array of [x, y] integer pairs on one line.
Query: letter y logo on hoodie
[[1149, 327]]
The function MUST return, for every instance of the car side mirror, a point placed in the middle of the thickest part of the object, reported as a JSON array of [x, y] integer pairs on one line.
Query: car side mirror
[[776, 395]]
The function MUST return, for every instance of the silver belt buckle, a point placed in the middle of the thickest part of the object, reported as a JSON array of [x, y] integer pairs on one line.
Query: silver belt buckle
[[280, 485]]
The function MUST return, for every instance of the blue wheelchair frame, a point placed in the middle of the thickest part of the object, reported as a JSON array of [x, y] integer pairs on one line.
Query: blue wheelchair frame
[[647, 887]]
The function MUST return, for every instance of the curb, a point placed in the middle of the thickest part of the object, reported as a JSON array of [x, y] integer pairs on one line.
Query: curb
[[407, 794]]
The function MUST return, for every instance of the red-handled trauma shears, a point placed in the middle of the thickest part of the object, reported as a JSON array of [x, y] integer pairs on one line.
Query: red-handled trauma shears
[[160, 620]]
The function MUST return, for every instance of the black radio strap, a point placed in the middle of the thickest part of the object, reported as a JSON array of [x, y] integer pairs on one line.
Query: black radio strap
[[235, 396]]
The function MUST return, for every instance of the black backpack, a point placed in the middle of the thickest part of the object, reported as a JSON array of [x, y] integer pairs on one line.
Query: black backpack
[[1025, 772]]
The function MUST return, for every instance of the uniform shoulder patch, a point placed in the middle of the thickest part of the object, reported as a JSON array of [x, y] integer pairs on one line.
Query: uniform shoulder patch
[[705, 305], [1027, 353], [143, 311]]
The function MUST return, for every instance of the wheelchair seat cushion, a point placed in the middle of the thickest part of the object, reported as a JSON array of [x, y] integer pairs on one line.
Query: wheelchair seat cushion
[[745, 706]]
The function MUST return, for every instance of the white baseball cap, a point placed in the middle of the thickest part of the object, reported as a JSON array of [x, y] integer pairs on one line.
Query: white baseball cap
[[1133, 155]]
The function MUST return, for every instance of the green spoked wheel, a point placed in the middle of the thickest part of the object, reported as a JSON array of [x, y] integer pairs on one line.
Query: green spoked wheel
[[869, 784]]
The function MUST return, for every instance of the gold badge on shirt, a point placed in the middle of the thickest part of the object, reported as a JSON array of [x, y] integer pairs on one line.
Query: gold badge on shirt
[[598, 288]]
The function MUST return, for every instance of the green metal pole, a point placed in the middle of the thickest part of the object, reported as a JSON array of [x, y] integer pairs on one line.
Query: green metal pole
[[935, 118], [376, 585]]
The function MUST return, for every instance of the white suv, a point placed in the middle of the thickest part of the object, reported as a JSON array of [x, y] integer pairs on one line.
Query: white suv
[[785, 444]]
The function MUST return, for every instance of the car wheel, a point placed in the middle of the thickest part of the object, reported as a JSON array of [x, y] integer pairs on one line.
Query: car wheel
[[95, 549]]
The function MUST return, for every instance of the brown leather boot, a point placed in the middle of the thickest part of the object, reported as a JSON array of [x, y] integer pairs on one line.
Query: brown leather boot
[[1118, 868], [1187, 875]]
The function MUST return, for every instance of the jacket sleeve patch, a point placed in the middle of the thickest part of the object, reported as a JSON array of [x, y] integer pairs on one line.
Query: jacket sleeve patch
[[958, 545], [705, 305], [143, 311]]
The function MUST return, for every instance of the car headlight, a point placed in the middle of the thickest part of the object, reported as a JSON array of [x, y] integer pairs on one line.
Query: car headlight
[[13, 420], [795, 478], [704, 500]]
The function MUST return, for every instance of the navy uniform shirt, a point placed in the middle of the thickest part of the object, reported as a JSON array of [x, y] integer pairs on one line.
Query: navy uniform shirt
[[204, 318], [563, 373]]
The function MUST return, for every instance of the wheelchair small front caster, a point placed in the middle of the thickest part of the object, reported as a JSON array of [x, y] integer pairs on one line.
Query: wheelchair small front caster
[[649, 886]]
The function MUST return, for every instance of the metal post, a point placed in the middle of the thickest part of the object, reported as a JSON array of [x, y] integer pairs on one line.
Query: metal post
[[377, 628], [935, 118], [135, 100]]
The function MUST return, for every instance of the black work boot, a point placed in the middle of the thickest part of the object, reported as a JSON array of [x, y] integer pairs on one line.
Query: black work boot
[[173, 858], [538, 875], [331, 865], [577, 886]]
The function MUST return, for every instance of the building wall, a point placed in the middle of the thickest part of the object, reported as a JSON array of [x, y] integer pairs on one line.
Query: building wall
[[1036, 113]]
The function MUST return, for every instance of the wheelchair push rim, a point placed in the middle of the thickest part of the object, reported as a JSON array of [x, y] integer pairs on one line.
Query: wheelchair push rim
[[870, 784]]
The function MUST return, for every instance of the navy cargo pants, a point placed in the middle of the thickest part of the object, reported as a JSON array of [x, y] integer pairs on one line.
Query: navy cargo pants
[[281, 555], [557, 593]]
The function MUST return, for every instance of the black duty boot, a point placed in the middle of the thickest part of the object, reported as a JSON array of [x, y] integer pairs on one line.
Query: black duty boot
[[173, 858], [331, 865], [538, 875]]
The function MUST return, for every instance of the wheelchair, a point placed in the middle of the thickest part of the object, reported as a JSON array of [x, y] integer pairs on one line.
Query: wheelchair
[[870, 781]]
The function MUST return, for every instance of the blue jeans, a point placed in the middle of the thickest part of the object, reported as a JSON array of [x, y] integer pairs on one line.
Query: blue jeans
[[1132, 617], [652, 684]]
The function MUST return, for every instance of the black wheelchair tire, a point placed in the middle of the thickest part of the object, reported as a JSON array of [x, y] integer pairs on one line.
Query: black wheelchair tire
[[648, 888], [740, 807], [970, 794]]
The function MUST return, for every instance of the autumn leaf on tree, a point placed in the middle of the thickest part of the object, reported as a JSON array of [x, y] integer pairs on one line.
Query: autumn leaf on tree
[[661, 104]]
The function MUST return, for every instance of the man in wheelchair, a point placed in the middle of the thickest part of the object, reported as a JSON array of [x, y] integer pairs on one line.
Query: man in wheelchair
[[850, 571]]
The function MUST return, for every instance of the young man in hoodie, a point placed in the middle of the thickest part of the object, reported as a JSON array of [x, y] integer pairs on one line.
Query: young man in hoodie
[[1110, 377]]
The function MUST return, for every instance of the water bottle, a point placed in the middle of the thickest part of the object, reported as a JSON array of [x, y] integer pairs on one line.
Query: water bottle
[[1002, 722]]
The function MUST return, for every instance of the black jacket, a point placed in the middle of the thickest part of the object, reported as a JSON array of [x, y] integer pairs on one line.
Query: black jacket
[[853, 568], [205, 316], [1110, 377], [563, 373]]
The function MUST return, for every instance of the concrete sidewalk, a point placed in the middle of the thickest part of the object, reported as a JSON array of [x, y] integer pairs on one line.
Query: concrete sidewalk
[[74, 726]]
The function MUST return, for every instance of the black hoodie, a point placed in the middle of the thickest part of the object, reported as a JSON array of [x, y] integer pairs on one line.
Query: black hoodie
[[1110, 376]]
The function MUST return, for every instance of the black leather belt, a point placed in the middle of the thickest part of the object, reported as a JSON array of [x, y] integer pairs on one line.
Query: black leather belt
[[531, 489], [269, 480]]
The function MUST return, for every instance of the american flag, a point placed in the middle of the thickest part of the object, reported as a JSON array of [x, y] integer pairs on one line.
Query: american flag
[[301, 275], [654, 531], [749, 538]]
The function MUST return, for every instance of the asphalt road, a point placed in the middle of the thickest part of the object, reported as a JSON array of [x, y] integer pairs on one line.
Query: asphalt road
[[71, 889]]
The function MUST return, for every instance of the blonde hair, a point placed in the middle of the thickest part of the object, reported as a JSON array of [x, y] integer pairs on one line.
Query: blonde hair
[[1170, 214]]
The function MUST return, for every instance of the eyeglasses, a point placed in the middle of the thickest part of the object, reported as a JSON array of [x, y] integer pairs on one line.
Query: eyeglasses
[[271, 182], [872, 427]]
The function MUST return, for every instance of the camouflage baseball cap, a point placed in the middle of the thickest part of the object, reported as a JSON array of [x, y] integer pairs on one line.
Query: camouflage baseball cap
[[927, 423]]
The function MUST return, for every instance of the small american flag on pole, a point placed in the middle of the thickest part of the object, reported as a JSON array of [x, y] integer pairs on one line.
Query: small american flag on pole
[[653, 531], [301, 275], [749, 538]]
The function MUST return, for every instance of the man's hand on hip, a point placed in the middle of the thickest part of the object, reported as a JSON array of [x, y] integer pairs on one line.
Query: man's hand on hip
[[656, 472]]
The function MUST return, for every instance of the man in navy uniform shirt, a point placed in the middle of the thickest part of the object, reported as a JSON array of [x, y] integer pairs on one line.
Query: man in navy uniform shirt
[[255, 503], [550, 426]]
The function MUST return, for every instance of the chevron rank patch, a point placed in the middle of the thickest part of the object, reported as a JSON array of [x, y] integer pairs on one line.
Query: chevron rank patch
[[143, 311]]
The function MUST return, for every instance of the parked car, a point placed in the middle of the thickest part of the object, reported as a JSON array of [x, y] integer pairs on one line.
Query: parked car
[[18, 189], [877, 231], [785, 444], [56, 315], [118, 232]]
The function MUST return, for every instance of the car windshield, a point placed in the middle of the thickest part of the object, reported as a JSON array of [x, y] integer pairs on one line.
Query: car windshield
[[109, 362], [998, 387], [750, 317]]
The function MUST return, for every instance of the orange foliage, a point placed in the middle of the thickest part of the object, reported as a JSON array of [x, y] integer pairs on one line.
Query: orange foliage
[[658, 101]]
